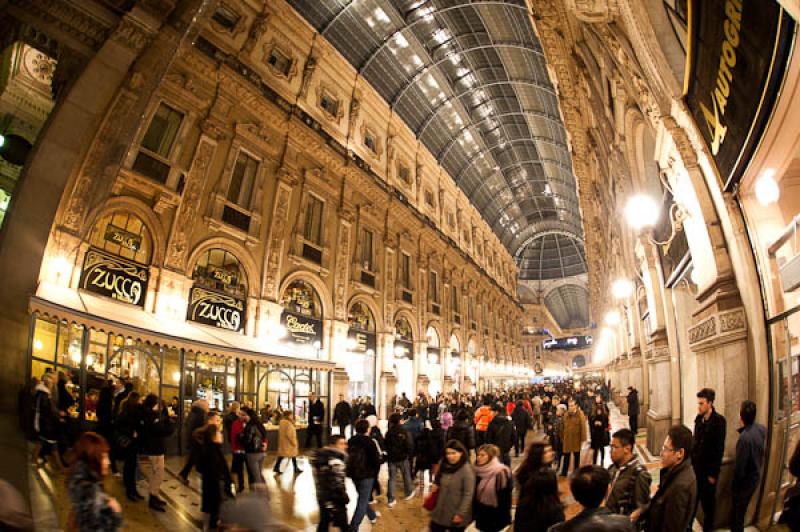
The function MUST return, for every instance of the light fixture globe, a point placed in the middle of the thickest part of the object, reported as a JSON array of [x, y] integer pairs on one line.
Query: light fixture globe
[[622, 289], [767, 190], [612, 318], [641, 211]]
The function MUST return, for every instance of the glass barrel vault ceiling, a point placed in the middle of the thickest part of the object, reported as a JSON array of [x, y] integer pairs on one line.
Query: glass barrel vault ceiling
[[470, 79]]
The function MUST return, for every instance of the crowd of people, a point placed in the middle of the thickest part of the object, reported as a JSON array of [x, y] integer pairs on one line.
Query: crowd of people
[[461, 443]]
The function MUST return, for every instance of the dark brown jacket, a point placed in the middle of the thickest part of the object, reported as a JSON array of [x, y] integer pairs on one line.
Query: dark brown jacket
[[672, 507]]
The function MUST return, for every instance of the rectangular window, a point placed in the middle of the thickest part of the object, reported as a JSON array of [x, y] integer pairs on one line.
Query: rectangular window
[[370, 142], [366, 250], [433, 287], [226, 17], [405, 271], [240, 189], [404, 174], [329, 104], [163, 130], [429, 198], [454, 300], [312, 230], [279, 61]]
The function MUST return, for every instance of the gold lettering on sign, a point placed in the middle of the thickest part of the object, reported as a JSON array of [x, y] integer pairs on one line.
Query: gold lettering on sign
[[223, 276], [727, 61], [294, 325]]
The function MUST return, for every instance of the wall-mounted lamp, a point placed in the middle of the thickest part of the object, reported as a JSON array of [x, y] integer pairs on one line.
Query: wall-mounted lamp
[[642, 212], [622, 289], [767, 190]]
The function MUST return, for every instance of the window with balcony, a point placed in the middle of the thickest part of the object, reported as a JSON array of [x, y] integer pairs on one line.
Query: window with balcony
[[226, 17], [312, 229], [404, 276], [366, 257], [153, 159], [455, 304], [433, 293]]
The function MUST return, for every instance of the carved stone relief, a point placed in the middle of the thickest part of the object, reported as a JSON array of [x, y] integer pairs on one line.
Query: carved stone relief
[[275, 241]]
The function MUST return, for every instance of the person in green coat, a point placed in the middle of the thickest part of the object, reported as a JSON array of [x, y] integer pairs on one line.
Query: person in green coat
[[455, 485]]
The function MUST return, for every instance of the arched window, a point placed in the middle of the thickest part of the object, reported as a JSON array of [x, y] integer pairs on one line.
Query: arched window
[[125, 235], [360, 318], [361, 346], [301, 298], [220, 270]]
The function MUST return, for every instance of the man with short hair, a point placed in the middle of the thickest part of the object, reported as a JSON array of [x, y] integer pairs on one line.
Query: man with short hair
[[589, 486], [672, 507], [749, 458], [709, 446], [633, 409], [198, 417], [502, 433], [363, 464], [316, 416], [329, 477], [630, 481], [342, 414]]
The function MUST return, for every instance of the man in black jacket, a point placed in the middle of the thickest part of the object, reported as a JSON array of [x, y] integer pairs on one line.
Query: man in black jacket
[[709, 446], [316, 416], [589, 486], [749, 459], [522, 420], [342, 414], [363, 463], [630, 481], [329, 477], [633, 409], [501, 432], [197, 418], [672, 507]]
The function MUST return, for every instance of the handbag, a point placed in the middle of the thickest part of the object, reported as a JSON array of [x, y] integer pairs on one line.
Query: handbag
[[430, 501]]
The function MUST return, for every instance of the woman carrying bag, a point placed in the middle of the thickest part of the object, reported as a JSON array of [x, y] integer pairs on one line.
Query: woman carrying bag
[[492, 505], [453, 491], [287, 443]]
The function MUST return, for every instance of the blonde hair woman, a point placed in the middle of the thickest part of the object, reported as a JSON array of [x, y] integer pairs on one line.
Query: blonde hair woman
[[492, 506], [287, 443]]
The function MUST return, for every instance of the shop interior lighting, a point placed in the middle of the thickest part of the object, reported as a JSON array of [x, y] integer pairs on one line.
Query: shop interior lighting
[[176, 376], [767, 190], [612, 317]]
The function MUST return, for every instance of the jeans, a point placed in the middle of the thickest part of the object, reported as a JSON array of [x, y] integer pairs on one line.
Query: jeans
[[237, 468], [506, 458], [336, 516], [741, 499], [576, 456], [255, 465], [364, 488], [408, 485], [520, 443], [153, 469]]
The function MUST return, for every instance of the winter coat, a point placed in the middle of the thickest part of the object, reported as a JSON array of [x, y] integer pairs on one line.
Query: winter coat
[[483, 417], [502, 433], [236, 439], [456, 491], [490, 518], [672, 507], [398, 444], [154, 428], [367, 409], [216, 477], [709, 445], [329, 477], [633, 403], [521, 419], [89, 502], [126, 431], [196, 419], [287, 439], [437, 445], [414, 427], [254, 437], [526, 517], [631, 488], [363, 458], [573, 431], [462, 432], [447, 420], [105, 407], [316, 413], [595, 520], [599, 433], [45, 416], [422, 451], [749, 457], [342, 413]]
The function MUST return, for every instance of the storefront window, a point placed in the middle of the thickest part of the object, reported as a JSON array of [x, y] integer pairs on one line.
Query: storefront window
[[434, 361], [404, 356], [70, 339], [218, 295], [137, 363], [302, 317], [361, 346], [125, 235]]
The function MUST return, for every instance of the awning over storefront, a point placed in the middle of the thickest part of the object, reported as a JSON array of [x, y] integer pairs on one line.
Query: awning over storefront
[[98, 313]]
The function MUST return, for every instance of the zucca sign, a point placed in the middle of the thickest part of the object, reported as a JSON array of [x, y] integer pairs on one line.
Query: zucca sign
[[216, 309], [738, 52], [114, 277]]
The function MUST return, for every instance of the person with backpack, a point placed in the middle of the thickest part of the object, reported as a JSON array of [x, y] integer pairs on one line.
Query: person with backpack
[[522, 422], [630, 480], [398, 448], [287, 443], [502, 433], [462, 431], [363, 465], [483, 417], [254, 441], [422, 455]]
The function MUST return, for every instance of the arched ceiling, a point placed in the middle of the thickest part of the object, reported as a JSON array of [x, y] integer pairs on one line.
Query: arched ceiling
[[569, 305], [470, 79]]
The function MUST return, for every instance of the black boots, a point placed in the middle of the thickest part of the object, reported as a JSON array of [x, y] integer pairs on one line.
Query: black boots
[[157, 504]]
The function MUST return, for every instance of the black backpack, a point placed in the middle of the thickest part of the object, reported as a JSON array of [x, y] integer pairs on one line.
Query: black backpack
[[251, 439], [505, 436]]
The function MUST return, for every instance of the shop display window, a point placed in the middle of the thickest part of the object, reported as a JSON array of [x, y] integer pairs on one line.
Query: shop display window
[[125, 235], [138, 363], [219, 270]]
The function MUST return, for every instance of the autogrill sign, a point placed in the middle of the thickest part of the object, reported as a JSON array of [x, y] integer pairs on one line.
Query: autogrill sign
[[216, 309], [738, 54], [112, 276]]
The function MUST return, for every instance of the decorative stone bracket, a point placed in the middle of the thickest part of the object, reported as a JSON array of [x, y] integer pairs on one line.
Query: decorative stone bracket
[[718, 329]]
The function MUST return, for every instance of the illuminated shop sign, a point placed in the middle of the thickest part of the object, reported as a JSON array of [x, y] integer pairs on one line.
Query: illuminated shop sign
[[124, 238], [301, 329], [216, 309], [403, 350], [569, 342], [114, 277], [738, 54], [363, 341]]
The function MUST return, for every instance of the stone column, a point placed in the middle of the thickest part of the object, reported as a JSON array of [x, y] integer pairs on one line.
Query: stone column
[[659, 414], [421, 367]]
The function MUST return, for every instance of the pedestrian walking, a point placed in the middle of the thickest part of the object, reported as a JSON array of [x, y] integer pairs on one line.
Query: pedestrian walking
[[573, 434], [126, 436], [522, 422], [749, 460], [254, 441], [363, 465], [45, 420], [198, 415], [216, 478], [342, 414], [538, 506], [239, 459], [482, 419], [709, 446], [502, 433], [398, 448], [633, 409], [462, 431], [330, 468], [492, 505], [287, 443], [598, 431], [455, 488], [155, 425], [316, 418], [93, 510]]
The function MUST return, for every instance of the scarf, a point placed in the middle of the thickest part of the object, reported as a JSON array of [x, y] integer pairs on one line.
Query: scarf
[[449, 468], [494, 477]]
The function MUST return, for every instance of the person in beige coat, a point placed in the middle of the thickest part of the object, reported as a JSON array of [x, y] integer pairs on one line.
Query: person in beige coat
[[573, 434], [287, 443]]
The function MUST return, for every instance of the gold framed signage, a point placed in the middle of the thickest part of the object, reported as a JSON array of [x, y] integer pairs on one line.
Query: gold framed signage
[[123, 238], [737, 56], [364, 341], [302, 329], [114, 277], [216, 309]]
